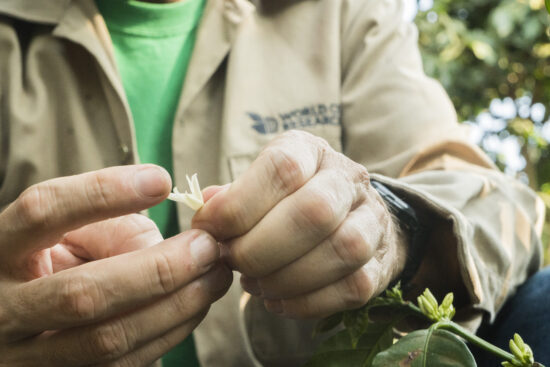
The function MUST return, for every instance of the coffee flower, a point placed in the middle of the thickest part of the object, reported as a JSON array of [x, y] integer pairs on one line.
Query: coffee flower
[[194, 200], [429, 307]]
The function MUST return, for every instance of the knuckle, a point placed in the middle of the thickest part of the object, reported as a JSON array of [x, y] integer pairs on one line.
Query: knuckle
[[108, 341], [362, 180], [98, 192], [304, 138], [317, 210], [357, 290], [322, 144], [232, 212], [165, 280], [33, 208], [285, 170], [81, 298], [294, 135], [190, 301], [350, 246], [301, 136], [363, 175], [246, 262], [359, 173]]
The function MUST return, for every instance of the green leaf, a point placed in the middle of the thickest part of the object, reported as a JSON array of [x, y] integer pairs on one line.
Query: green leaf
[[356, 322], [338, 350], [377, 338], [547, 2], [395, 293], [427, 348], [327, 324]]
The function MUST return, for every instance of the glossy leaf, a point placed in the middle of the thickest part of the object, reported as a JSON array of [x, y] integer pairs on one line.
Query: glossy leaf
[[338, 350], [356, 323], [424, 348]]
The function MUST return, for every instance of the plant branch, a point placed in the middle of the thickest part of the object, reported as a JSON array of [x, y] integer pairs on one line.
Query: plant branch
[[474, 339]]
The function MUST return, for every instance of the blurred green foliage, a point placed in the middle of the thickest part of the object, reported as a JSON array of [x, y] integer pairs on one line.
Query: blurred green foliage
[[496, 53]]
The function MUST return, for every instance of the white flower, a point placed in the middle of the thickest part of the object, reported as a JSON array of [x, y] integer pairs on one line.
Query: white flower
[[194, 200]]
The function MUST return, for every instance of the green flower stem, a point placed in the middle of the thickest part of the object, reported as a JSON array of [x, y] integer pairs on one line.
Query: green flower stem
[[415, 309], [460, 331]]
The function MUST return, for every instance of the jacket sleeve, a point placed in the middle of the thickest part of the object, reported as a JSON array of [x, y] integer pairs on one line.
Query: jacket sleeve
[[402, 127]]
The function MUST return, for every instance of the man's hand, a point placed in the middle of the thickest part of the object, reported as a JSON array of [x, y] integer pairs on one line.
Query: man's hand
[[306, 229], [78, 288]]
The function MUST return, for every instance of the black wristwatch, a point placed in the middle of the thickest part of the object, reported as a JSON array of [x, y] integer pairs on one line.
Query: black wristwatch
[[411, 225]]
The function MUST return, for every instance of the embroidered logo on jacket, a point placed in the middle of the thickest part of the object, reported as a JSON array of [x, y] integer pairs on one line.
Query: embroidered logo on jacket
[[321, 114]]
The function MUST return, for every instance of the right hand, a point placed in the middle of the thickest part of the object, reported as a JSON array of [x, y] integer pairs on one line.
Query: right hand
[[78, 288]]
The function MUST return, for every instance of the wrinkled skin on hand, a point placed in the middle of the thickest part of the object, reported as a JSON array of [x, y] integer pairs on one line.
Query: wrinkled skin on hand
[[305, 228], [83, 281]]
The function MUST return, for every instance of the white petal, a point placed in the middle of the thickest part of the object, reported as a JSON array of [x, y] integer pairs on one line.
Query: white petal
[[189, 183], [194, 200], [174, 197], [196, 189]]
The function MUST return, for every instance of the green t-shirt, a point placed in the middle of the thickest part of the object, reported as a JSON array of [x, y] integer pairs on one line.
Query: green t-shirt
[[153, 45]]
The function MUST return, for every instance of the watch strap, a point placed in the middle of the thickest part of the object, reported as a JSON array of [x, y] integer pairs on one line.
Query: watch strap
[[411, 225]]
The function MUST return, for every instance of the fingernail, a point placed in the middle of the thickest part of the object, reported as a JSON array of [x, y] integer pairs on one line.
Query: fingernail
[[251, 286], [151, 181], [274, 305], [204, 250]]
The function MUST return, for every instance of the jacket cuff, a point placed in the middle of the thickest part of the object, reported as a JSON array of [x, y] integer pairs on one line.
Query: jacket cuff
[[432, 208]]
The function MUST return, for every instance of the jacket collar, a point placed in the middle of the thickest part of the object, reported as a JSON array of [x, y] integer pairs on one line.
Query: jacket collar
[[77, 21], [214, 39]]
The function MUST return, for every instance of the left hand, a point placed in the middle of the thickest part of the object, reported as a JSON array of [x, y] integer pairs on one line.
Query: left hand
[[306, 229]]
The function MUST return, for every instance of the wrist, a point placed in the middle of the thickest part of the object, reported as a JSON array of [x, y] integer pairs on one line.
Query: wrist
[[401, 244], [408, 235]]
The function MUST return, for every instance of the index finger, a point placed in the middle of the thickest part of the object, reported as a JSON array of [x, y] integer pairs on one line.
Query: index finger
[[284, 166], [46, 211], [101, 289]]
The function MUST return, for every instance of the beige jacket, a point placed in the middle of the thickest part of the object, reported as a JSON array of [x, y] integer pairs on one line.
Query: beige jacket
[[346, 70]]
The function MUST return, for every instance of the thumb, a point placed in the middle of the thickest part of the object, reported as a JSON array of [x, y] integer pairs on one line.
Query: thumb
[[210, 191]]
